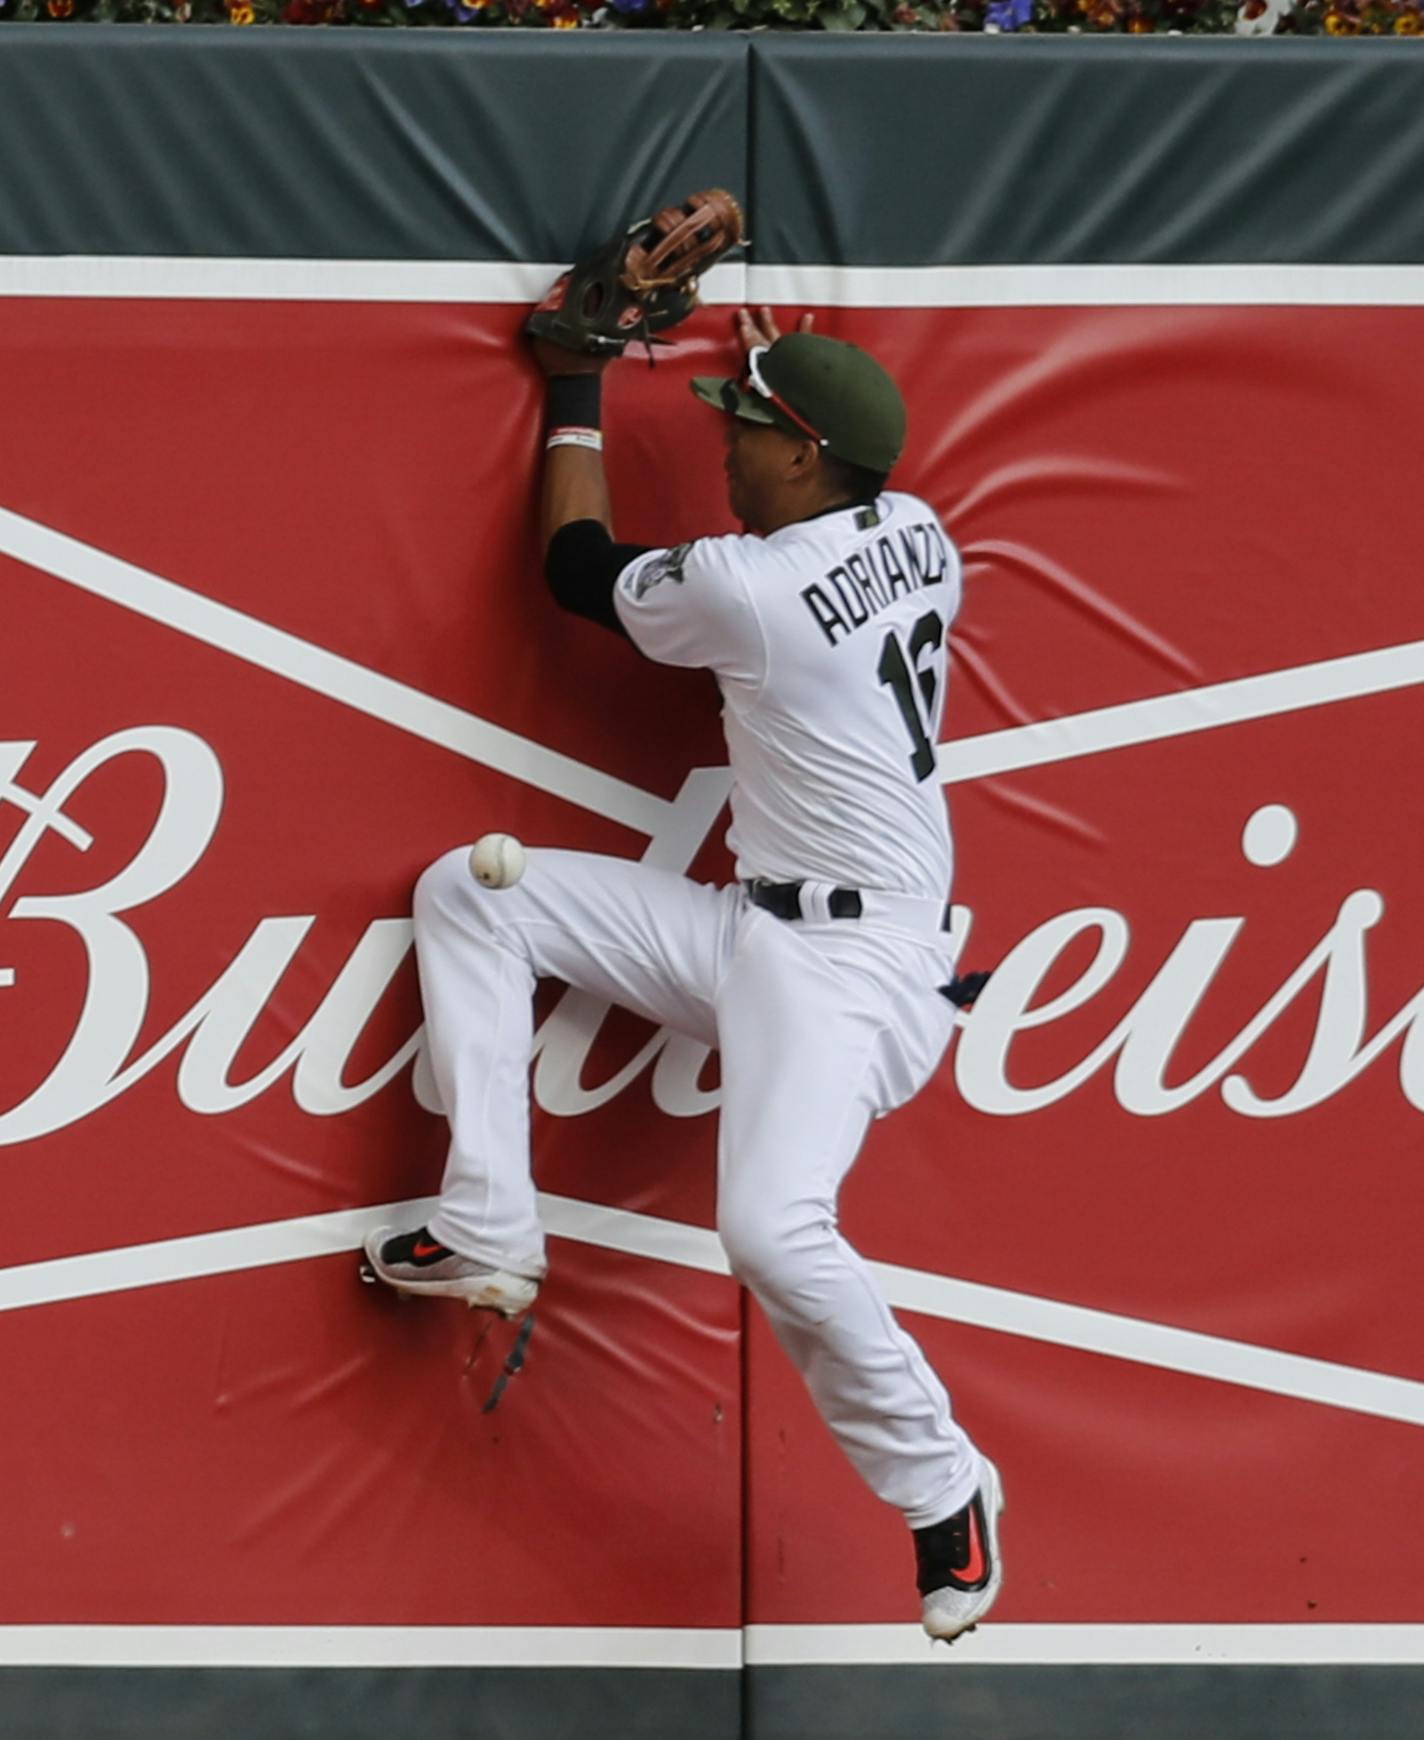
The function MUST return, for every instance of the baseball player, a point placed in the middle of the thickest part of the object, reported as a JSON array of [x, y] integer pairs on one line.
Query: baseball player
[[819, 973]]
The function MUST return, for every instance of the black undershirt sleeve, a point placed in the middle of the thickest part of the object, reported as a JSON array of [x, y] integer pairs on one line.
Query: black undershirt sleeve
[[582, 565]]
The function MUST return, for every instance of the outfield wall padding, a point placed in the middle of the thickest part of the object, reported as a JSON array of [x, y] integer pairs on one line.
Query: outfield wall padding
[[276, 636]]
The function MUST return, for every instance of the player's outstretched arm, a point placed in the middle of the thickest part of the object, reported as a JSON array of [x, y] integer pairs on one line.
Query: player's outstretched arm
[[581, 561], [575, 485]]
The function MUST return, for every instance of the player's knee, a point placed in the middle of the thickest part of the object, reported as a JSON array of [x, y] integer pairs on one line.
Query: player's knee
[[446, 890], [751, 1251], [769, 1247], [438, 881]]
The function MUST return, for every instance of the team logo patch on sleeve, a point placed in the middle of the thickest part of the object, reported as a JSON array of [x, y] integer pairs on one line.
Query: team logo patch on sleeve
[[667, 566]]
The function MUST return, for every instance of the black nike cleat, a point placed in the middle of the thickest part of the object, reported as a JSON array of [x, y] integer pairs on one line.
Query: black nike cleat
[[957, 1562], [415, 1263]]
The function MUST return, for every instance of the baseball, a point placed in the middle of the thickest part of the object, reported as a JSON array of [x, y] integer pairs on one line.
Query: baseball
[[497, 860]]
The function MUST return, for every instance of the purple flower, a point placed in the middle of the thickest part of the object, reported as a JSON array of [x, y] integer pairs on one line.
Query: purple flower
[[1009, 14], [630, 5]]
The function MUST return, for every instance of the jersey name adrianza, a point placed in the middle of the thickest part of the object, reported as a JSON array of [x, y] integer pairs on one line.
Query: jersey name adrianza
[[870, 579], [828, 643]]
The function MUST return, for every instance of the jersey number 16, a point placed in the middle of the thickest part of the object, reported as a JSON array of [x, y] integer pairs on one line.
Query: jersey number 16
[[896, 671]]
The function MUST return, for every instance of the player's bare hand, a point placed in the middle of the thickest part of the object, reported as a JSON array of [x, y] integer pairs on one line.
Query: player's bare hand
[[761, 328], [557, 359]]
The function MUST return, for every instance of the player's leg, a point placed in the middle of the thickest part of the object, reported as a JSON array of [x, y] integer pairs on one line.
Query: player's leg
[[644, 938], [817, 1037]]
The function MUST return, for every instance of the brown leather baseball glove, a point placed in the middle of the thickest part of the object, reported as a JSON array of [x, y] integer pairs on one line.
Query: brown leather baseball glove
[[641, 282]]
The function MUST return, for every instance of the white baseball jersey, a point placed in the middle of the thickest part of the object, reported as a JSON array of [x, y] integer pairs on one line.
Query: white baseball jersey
[[828, 640]]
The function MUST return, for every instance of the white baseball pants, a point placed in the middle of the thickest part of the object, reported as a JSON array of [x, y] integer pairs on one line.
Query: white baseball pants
[[820, 1026]]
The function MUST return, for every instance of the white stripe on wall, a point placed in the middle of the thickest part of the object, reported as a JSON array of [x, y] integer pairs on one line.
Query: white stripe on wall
[[365, 1646], [274, 650], [533, 1646], [154, 278], [501, 281], [132, 277], [96, 1273], [1044, 1645], [1053, 1321], [1205, 708], [326, 673], [1266, 286]]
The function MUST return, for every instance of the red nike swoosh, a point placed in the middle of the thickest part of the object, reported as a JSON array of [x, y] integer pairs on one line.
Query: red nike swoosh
[[421, 1249], [974, 1566]]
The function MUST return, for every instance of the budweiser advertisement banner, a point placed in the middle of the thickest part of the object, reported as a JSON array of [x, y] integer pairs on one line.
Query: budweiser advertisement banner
[[276, 636]]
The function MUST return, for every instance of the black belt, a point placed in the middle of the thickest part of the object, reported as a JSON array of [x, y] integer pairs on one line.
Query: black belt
[[783, 899]]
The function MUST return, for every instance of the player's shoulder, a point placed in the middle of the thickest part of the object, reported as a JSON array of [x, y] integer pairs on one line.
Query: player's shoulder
[[901, 506], [724, 549], [905, 515], [690, 604], [704, 591], [696, 559], [723, 558], [892, 507]]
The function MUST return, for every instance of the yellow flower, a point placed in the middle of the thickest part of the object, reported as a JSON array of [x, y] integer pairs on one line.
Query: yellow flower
[[241, 14], [1408, 24], [1337, 24]]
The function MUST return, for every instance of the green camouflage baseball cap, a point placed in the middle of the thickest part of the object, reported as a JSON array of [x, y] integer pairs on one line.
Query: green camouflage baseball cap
[[806, 384]]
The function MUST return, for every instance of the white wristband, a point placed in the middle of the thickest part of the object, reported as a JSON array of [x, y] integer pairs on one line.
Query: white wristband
[[590, 438]]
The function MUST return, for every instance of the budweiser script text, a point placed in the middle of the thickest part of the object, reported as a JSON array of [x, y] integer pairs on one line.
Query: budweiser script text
[[98, 1064]]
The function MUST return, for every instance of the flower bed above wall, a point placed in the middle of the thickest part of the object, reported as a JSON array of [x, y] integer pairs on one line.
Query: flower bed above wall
[[1025, 17]]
